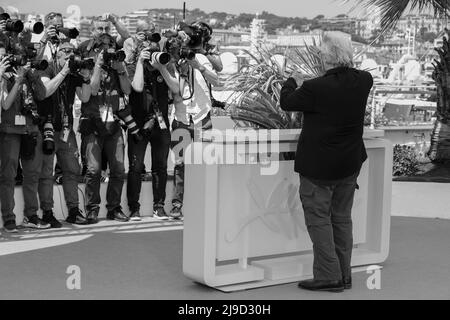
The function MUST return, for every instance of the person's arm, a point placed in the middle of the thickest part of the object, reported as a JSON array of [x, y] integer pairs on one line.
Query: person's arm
[[96, 75], [121, 28], [84, 92], [171, 81], [49, 33], [125, 83], [206, 69], [20, 79], [51, 85], [138, 79], [39, 90], [296, 99]]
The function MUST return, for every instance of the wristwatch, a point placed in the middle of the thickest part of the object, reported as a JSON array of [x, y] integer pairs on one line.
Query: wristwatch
[[121, 73], [88, 81]]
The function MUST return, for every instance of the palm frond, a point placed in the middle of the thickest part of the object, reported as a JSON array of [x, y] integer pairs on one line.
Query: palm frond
[[392, 10]]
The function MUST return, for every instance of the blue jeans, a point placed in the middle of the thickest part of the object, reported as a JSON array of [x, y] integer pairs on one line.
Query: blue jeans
[[9, 159], [67, 155], [160, 145], [113, 147]]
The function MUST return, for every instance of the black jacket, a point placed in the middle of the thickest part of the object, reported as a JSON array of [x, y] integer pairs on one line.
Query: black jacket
[[331, 146]]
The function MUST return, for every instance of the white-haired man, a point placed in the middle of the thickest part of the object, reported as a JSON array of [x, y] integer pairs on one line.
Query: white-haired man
[[329, 157]]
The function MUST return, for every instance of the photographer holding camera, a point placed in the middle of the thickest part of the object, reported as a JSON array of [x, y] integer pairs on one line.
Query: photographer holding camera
[[54, 34], [101, 133], [210, 51], [65, 77], [101, 37], [149, 106], [192, 98], [19, 137]]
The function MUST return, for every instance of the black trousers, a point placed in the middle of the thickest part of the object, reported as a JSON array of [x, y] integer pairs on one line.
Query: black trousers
[[160, 146], [327, 206]]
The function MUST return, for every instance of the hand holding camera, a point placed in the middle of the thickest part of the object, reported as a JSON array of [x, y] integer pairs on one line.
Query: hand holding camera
[[65, 70], [2, 25], [22, 72], [145, 55], [49, 33], [109, 17], [4, 65]]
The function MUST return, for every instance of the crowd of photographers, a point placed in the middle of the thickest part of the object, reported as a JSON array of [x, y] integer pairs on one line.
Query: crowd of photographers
[[127, 85]]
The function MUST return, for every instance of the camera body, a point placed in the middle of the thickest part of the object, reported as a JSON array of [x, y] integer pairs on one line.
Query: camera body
[[76, 63], [21, 56], [12, 25], [112, 55]]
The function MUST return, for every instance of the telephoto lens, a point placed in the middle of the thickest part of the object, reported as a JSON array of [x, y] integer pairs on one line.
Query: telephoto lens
[[48, 144], [162, 57], [35, 27], [133, 129], [11, 25]]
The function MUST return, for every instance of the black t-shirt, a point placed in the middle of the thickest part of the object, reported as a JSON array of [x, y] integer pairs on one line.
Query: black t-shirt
[[141, 102], [63, 96]]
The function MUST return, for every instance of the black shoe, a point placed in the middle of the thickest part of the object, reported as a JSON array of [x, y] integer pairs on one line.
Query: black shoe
[[117, 215], [135, 215], [322, 285], [160, 213], [347, 282], [92, 217], [76, 217], [176, 213], [35, 222], [49, 218], [10, 226]]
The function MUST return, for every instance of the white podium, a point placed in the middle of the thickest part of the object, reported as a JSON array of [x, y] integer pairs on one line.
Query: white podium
[[245, 229]]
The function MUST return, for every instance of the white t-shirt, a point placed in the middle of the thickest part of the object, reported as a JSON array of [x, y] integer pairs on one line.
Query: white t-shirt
[[200, 103]]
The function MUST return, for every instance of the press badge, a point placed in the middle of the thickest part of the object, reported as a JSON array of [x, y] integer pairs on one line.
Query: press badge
[[20, 120], [161, 121], [106, 114]]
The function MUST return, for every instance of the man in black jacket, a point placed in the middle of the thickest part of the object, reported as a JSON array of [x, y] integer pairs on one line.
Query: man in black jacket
[[329, 156]]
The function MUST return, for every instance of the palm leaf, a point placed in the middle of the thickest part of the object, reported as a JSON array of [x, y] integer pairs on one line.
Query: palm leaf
[[392, 10]]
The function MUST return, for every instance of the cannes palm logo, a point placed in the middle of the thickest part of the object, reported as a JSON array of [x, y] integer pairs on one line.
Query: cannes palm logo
[[279, 214]]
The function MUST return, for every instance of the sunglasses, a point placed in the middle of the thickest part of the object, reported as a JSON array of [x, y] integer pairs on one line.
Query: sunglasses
[[66, 51]]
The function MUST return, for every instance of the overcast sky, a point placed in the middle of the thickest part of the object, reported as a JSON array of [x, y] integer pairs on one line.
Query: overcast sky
[[288, 8]]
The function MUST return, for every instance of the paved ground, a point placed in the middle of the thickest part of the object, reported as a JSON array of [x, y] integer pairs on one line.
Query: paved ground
[[144, 261]]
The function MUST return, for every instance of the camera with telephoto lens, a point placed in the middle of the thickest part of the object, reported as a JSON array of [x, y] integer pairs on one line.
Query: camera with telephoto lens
[[11, 25], [16, 60], [48, 143], [35, 27], [76, 63], [112, 55], [127, 118]]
